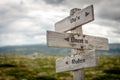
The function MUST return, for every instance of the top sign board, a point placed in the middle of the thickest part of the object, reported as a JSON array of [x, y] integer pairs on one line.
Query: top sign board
[[79, 18]]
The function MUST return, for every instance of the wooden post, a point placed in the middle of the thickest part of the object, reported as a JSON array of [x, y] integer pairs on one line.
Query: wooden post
[[77, 74]]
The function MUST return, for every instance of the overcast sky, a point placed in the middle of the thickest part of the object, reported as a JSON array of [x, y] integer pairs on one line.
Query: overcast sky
[[26, 21]]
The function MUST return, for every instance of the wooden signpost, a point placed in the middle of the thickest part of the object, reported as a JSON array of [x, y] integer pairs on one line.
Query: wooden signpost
[[83, 46]]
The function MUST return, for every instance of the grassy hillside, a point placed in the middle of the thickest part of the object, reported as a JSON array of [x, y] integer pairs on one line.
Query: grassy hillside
[[20, 67]]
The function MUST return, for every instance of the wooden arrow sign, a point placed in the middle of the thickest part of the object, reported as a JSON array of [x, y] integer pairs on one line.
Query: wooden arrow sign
[[89, 59], [79, 18], [67, 40]]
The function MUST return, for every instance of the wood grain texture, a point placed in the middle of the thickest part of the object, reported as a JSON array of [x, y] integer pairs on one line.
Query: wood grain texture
[[79, 74], [65, 40], [86, 60], [79, 18]]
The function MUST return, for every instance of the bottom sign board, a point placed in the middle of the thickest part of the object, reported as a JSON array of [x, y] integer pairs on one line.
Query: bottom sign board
[[88, 59]]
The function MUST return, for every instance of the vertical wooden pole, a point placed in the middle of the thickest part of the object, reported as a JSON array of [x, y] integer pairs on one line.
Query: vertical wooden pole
[[77, 74]]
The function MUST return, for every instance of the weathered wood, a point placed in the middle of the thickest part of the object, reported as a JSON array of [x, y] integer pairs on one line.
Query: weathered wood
[[68, 40], [79, 74], [80, 17], [83, 46], [86, 60]]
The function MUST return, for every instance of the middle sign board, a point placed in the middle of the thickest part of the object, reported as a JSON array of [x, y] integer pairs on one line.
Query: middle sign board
[[69, 40]]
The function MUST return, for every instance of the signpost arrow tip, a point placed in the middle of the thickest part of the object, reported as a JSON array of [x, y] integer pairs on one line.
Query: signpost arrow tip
[[86, 14]]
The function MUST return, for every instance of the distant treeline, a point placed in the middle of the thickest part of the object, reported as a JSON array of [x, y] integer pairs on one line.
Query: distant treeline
[[43, 49]]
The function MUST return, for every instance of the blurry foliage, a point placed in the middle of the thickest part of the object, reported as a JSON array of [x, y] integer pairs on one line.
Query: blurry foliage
[[21, 67]]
